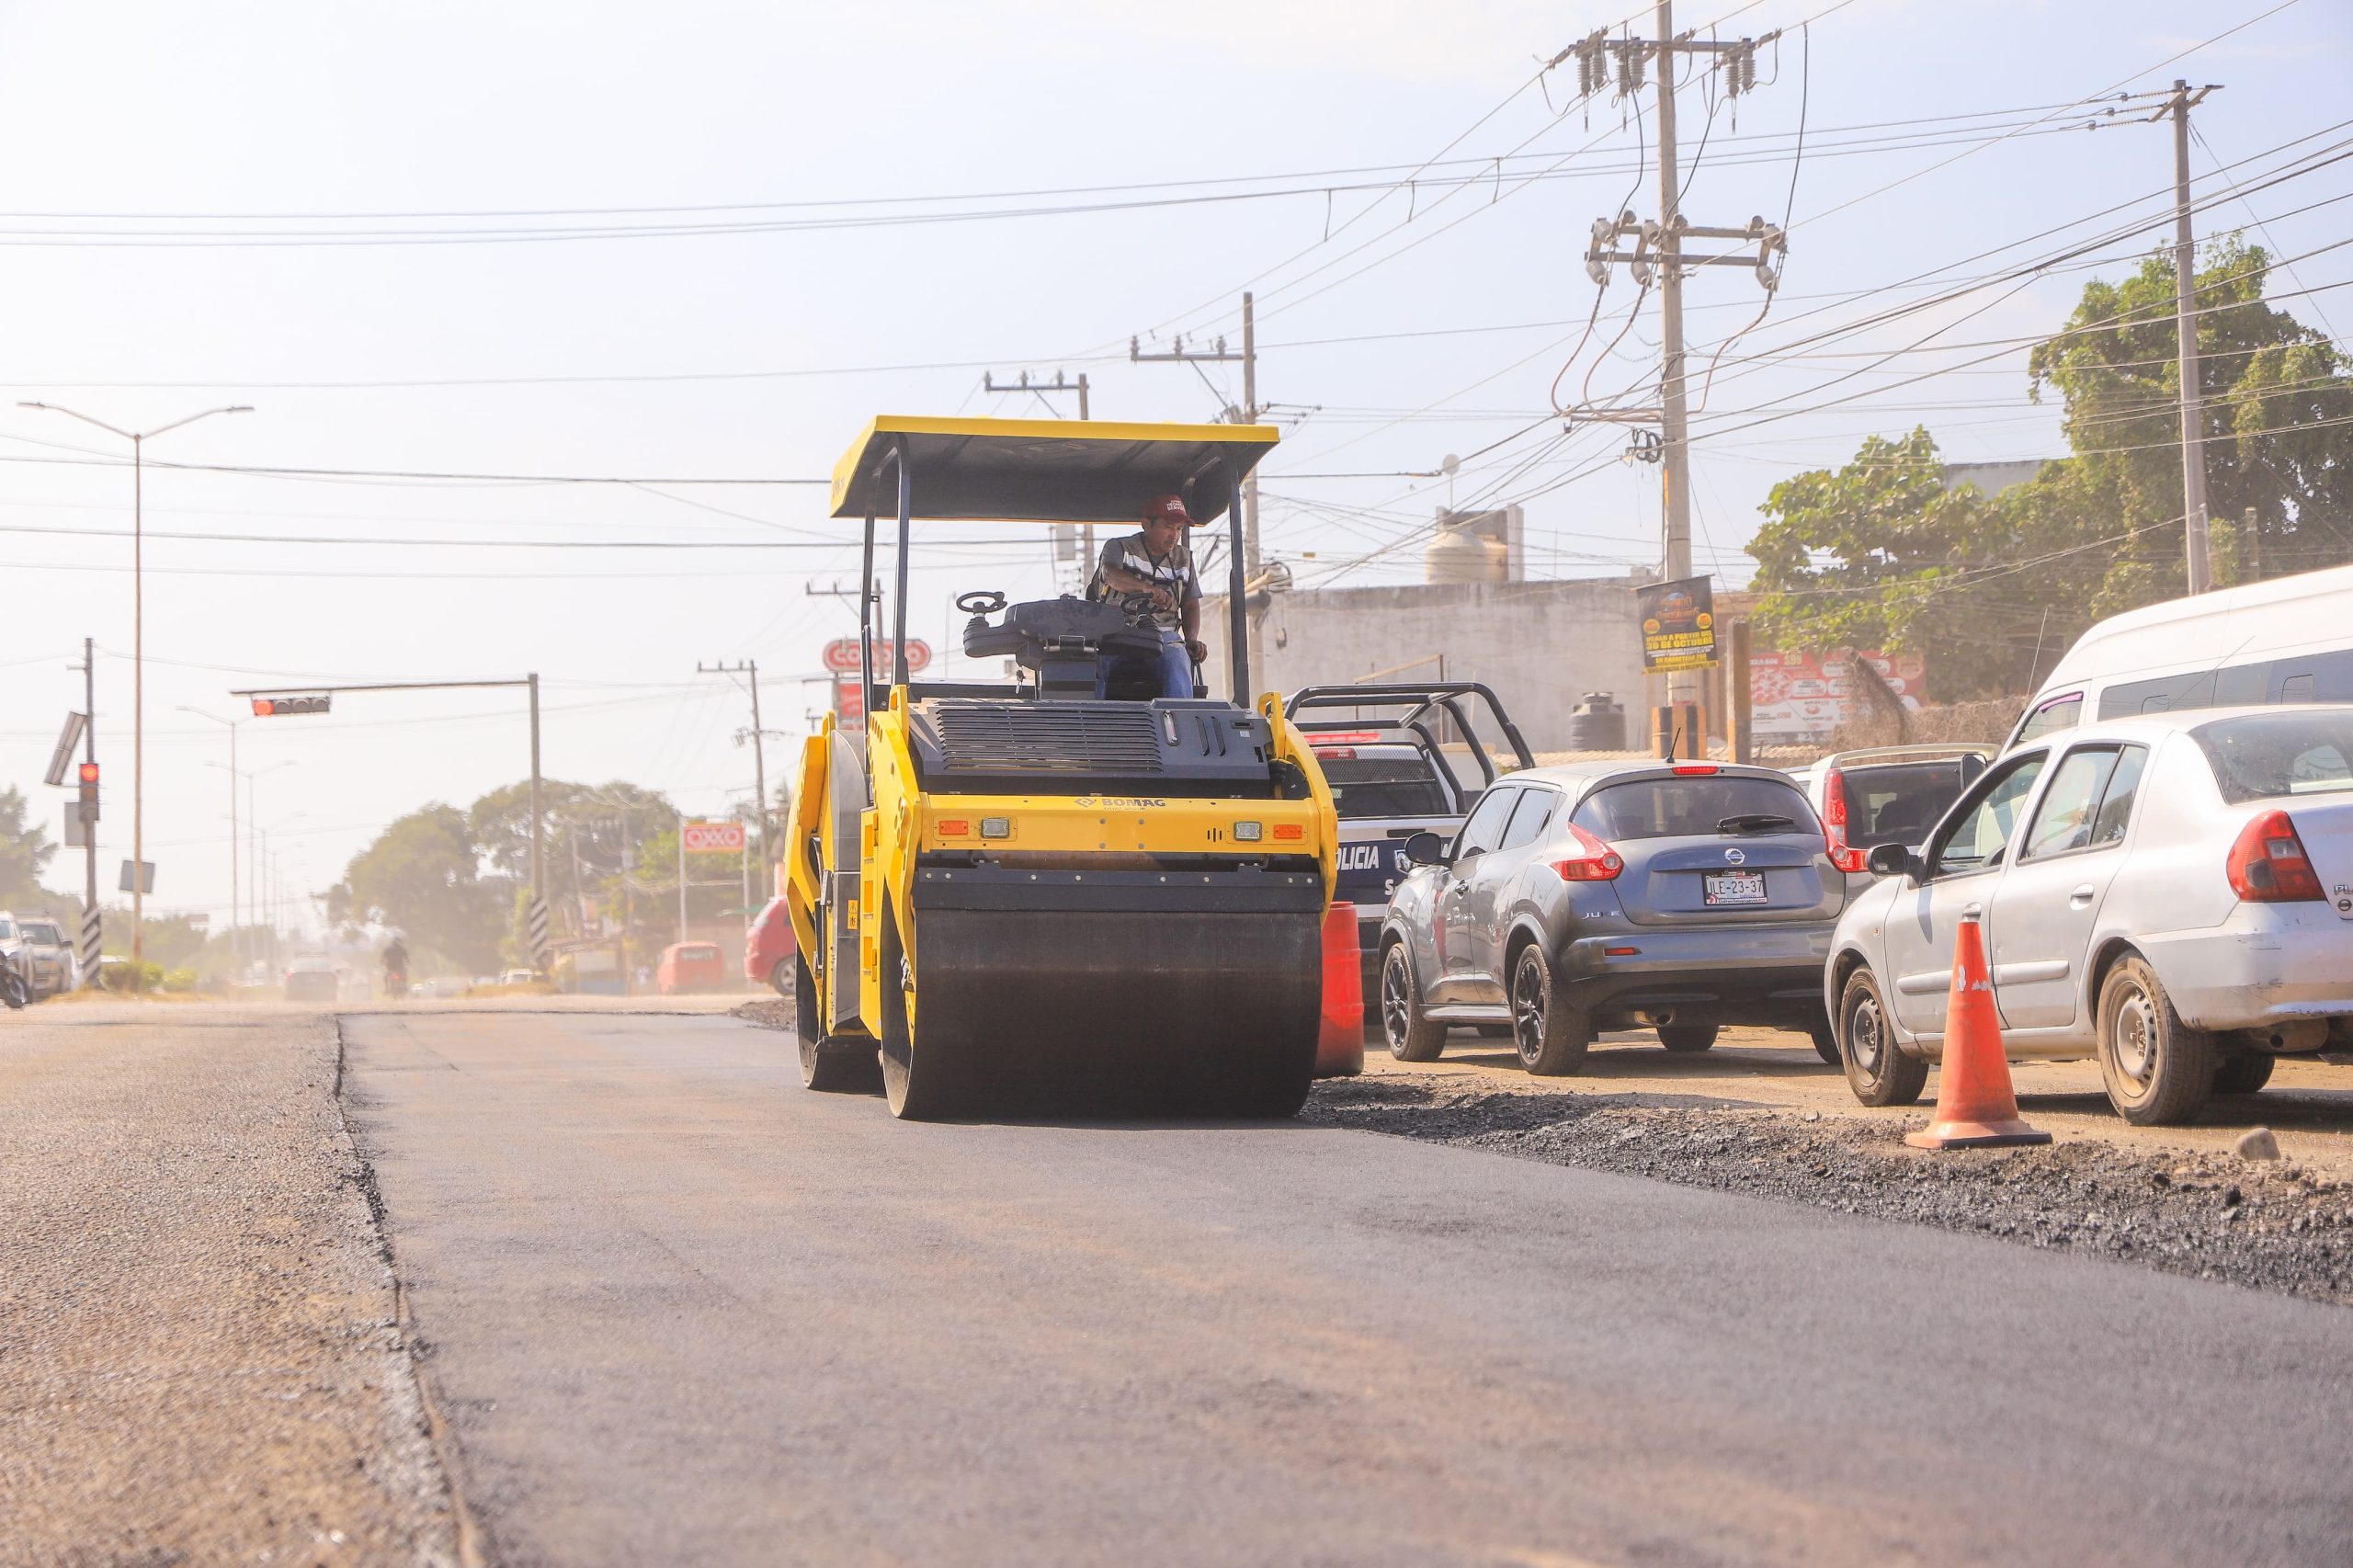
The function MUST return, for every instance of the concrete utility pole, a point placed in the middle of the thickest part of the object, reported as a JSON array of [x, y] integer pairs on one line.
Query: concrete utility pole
[[1024, 384], [91, 920], [1246, 413], [2195, 543], [138, 440], [1658, 254], [750, 670]]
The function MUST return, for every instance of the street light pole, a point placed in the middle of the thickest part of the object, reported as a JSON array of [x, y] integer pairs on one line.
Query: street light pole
[[138, 440]]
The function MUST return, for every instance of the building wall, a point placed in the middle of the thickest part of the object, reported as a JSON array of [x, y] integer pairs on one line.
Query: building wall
[[1540, 645]]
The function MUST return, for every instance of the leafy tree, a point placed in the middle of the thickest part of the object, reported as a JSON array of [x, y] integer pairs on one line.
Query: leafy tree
[[1882, 554], [422, 875], [25, 852]]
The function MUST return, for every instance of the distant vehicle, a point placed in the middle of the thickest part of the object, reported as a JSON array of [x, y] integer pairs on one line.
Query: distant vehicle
[[518, 977], [1390, 778], [769, 948], [2285, 640], [312, 980], [1675, 897], [2171, 894], [690, 966], [1886, 794], [43, 960]]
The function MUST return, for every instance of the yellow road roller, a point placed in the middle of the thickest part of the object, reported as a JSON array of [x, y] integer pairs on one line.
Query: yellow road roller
[[1019, 898]]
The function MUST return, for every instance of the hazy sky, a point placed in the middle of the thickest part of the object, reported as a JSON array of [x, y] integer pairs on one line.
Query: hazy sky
[[165, 161]]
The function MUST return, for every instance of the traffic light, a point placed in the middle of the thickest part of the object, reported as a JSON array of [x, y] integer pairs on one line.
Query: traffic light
[[89, 791], [279, 707]]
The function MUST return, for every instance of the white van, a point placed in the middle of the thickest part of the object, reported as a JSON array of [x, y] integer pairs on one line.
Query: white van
[[2288, 640]]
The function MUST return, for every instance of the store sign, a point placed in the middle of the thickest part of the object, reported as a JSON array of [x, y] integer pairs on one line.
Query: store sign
[[849, 703], [1804, 696], [841, 655], [1678, 625], [714, 837]]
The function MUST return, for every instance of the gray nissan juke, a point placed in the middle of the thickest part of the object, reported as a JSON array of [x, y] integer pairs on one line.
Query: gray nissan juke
[[1609, 895]]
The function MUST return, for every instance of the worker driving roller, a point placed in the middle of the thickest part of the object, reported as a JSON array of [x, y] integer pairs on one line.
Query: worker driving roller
[[1150, 573]]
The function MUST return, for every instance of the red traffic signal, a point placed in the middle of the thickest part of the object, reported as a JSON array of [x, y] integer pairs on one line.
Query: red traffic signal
[[89, 773], [279, 707]]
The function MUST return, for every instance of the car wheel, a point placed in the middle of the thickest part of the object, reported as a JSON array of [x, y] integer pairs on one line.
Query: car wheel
[[2245, 1073], [2158, 1070], [1877, 1069], [1411, 1037], [1684, 1038], [780, 977], [1551, 1036], [1824, 1036]]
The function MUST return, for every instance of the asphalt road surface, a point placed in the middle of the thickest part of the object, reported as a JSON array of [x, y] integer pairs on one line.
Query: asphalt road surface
[[676, 1309]]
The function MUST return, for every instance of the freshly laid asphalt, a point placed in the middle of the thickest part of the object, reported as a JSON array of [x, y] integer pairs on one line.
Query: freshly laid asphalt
[[676, 1309]]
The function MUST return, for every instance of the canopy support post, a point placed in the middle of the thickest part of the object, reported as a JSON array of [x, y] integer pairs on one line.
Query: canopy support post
[[1237, 592], [899, 613]]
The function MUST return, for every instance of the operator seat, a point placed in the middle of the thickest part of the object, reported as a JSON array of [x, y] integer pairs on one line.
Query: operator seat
[[1058, 642]]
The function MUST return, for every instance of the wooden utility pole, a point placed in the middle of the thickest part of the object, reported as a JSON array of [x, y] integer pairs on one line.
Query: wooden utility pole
[[750, 670], [1040, 389], [1246, 413], [2195, 544]]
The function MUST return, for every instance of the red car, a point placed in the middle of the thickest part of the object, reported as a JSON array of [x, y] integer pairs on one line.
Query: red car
[[690, 966], [769, 948]]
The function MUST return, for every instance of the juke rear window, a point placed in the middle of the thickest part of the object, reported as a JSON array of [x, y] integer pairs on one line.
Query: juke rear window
[[1689, 807]]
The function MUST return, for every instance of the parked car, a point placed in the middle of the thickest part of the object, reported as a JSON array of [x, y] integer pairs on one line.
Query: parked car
[[690, 966], [2283, 640], [1886, 795], [2171, 894], [312, 980], [769, 948], [519, 977], [1675, 896], [1392, 776], [43, 959]]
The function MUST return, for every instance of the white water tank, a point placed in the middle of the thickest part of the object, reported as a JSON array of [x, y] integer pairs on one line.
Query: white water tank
[[1461, 554]]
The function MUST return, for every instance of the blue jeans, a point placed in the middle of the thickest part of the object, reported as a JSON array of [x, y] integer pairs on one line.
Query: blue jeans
[[1174, 663]]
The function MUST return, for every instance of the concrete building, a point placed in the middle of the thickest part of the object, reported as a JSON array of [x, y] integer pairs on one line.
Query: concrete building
[[1540, 645]]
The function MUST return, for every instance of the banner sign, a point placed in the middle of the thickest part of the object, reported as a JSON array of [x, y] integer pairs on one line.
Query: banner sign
[[841, 656], [1804, 696], [714, 837], [1678, 625], [849, 703]]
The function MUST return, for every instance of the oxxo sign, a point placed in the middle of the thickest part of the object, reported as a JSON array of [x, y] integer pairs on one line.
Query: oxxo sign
[[841, 656], [714, 837]]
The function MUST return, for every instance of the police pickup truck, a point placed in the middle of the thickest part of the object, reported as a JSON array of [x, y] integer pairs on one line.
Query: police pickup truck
[[1398, 758]]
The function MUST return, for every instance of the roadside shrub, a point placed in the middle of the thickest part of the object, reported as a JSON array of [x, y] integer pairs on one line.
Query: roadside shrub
[[179, 980], [128, 976]]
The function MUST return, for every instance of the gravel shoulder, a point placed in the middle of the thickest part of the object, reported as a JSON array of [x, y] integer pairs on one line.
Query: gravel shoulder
[[200, 1357], [2271, 1225]]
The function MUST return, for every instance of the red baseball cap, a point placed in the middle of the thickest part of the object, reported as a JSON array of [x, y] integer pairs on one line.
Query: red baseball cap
[[1171, 506]]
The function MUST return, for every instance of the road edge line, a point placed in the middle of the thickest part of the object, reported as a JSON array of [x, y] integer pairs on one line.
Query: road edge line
[[475, 1547]]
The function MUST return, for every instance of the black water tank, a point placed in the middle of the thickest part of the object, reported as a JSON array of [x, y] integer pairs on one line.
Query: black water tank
[[1596, 723]]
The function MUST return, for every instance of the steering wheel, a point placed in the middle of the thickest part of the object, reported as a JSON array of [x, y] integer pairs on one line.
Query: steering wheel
[[981, 601]]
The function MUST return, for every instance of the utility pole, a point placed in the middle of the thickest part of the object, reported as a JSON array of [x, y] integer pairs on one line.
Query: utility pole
[[1024, 384], [92, 921], [1658, 254], [2195, 543], [1247, 414], [750, 670]]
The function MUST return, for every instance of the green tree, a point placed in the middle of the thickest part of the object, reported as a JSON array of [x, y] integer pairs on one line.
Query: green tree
[[423, 876], [25, 851]]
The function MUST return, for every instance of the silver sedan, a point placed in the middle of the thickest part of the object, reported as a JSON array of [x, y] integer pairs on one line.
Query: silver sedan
[[2172, 894]]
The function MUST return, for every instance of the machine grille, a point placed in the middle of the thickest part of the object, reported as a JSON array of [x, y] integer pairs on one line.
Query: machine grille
[[1111, 739]]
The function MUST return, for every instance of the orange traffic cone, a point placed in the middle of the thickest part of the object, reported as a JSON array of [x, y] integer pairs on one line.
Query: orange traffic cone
[[1976, 1108], [1339, 1044]]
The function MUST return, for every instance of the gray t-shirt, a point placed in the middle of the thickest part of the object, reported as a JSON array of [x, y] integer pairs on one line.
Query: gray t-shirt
[[1174, 571]]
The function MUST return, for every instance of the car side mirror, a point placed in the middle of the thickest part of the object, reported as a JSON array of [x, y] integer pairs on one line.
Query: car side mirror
[[1889, 860], [1426, 849]]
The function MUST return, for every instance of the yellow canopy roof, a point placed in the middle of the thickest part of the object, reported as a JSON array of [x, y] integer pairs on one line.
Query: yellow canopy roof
[[1054, 471]]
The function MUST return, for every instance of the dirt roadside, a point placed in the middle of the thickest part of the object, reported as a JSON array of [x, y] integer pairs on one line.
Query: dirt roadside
[[198, 1356], [1760, 1114]]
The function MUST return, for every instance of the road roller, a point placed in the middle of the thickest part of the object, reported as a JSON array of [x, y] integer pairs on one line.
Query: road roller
[[1020, 898]]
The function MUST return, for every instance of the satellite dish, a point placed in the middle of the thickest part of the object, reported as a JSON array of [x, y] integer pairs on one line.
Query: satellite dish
[[1448, 464]]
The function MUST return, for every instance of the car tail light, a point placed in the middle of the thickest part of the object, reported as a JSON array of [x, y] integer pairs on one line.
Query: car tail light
[[1833, 825], [2267, 864], [1694, 769], [1335, 753], [1599, 863]]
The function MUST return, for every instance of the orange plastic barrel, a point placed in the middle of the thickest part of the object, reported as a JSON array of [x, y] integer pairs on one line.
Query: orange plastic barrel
[[1339, 1044]]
